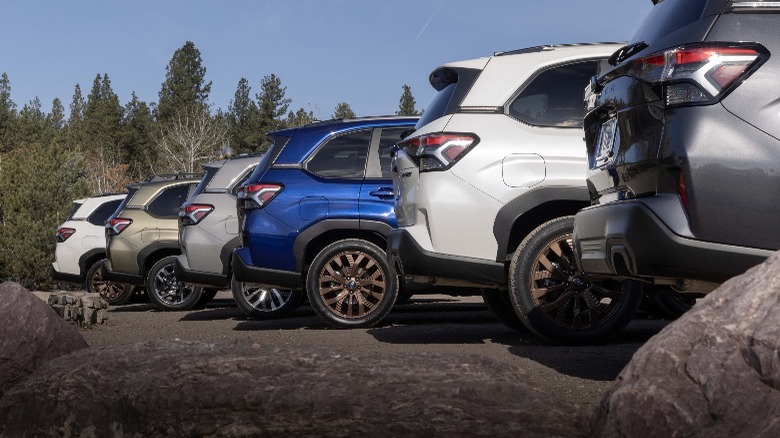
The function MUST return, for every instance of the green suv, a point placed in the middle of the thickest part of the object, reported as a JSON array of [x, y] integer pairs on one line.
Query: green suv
[[142, 241]]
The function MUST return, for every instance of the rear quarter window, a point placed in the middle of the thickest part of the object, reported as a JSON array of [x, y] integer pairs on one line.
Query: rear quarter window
[[101, 214], [342, 157], [166, 204], [555, 96]]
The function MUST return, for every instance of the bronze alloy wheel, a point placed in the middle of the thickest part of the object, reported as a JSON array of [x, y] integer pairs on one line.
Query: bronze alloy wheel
[[567, 297], [556, 301], [114, 293], [352, 284], [108, 290]]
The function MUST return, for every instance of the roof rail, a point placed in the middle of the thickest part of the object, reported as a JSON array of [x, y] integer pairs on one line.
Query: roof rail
[[172, 176], [551, 47]]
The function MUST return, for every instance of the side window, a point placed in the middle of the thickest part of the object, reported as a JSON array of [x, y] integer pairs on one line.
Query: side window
[[554, 97], [390, 136], [342, 157], [167, 203], [101, 214]]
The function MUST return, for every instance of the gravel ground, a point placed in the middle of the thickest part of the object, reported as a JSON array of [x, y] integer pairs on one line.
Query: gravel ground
[[433, 323]]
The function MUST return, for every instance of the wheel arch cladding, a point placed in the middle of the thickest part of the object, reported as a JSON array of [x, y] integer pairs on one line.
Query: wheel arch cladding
[[521, 215], [88, 258], [312, 240], [153, 253]]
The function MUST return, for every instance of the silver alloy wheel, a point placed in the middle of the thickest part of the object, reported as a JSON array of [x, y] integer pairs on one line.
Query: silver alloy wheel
[[265, 300], [169, 289]]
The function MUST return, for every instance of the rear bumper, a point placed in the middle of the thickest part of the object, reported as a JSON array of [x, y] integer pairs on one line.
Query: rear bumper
[[408, 258], [65, 276], [184, 274], [245, 272], [120, 277], [627, 238]]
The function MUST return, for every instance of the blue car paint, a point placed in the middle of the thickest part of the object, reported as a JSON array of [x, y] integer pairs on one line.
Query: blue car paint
[[269, 233]]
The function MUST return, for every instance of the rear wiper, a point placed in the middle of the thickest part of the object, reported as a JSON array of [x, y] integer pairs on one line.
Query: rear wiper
[[626, 52]]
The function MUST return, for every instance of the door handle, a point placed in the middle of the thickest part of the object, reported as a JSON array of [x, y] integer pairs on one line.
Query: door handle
[[383, 193]]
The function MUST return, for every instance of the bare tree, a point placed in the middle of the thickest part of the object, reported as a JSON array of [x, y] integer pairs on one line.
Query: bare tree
[[192, 138], [105, 173]]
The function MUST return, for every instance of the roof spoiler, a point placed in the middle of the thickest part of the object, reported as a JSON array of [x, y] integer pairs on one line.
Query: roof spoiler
[[655, 2]]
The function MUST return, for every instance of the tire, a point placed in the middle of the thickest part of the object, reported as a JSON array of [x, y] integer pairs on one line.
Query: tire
[[208, 294], [556, 301], [349, 284], [672, 305], [114, 293], [500, 305], [262, 303], [166, 292]]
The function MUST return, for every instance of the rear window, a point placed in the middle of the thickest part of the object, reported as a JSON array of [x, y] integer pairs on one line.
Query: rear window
[[269, 157], [667, 17], [438, 106], [201, 187], [130, 194], [101, 214], [73, 210]]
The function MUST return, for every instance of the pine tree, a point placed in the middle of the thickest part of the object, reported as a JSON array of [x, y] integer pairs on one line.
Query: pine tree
[[102, 125], [300, 118], [343, 111], [57, 116], [74, 128], [7, 116], [32, 122], [406, 103], [138, 139], [184, 90], [244, 132], [273, 106]]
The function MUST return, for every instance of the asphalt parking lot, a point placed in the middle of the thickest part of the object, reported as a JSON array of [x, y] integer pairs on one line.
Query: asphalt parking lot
[[435, 323]]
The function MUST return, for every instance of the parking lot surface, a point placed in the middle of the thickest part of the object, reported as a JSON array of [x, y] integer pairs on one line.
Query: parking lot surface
[[430, 323]]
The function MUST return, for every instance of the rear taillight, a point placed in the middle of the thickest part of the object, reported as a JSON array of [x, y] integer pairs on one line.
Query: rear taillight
[[698, 74], [116, 226], [191, 214], [63, 233], [257, 195], [438, 151]]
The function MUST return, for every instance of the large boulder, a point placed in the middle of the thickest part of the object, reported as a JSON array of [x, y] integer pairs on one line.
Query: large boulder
[[194, 389], [713, 372], [31, 333]]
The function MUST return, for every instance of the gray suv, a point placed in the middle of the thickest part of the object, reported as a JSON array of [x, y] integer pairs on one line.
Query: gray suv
[[683, 148]]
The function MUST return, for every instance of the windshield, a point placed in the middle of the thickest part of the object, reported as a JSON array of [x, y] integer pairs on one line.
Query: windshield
[[667, 17]]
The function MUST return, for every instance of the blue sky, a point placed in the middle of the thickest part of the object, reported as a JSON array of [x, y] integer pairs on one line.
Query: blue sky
[[324, 51]]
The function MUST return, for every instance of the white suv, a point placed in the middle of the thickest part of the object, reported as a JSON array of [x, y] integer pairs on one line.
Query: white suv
[[487, 185], [81, 247]]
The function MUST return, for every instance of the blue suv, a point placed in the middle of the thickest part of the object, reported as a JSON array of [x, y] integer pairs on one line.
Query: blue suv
[[314, 216]]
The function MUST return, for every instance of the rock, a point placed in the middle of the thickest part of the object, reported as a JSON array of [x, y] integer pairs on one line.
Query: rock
[[713, 372], [31, 333], [240, 388]]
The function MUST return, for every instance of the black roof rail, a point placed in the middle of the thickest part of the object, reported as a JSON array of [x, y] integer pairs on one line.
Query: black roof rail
[[551, 47]]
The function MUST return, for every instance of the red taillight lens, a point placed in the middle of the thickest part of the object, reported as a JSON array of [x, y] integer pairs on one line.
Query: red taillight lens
[[696, 74], [191, 214], [63, 233], [438, 151], [682, 191], [116, 226], [258, 195]]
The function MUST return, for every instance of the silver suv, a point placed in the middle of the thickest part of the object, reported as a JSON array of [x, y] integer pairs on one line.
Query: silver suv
[[487, 186], [209, 232]]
